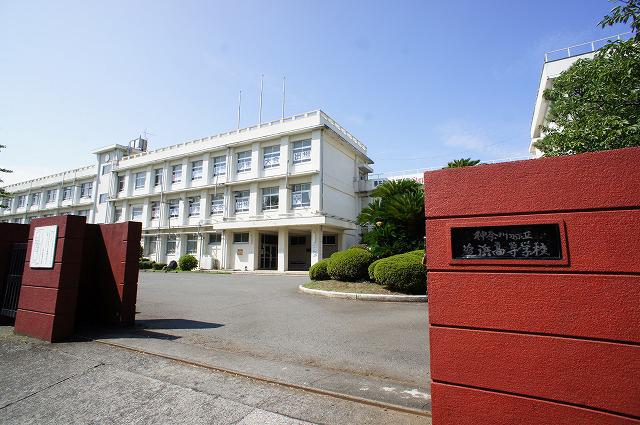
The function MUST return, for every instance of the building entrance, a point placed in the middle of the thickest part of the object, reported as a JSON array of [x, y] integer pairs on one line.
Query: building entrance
[[268, 252]]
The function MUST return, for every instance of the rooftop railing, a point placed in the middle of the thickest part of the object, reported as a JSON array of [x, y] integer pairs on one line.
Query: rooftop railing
[[584, 48]]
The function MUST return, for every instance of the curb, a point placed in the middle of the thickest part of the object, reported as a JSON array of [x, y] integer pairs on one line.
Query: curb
[[364, 297]]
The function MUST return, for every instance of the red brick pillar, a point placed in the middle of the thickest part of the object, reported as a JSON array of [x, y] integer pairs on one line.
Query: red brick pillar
[[10, 233], [519, 335], [47, 305]]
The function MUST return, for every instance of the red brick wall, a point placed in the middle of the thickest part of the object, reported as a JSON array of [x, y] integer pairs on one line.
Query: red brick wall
[[48, 297], [547, 342], [110, 273]]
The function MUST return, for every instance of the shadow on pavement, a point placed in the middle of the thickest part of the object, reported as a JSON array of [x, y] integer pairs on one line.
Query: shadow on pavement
[[143, 329]]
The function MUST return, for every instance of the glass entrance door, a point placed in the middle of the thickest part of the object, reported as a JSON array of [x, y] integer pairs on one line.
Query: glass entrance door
[[268, 252]]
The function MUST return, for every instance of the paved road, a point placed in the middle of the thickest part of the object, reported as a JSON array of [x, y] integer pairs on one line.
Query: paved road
[[265, 316], [87, 382]]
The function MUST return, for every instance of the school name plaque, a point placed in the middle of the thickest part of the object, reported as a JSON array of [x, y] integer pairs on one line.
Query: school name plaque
[[520, 242], [43, 248]]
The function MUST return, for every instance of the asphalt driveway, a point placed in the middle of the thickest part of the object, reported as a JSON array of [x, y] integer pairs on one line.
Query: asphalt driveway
[[265, 316]]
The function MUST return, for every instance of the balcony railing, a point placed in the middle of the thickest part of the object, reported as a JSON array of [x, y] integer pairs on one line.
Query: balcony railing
[[584, 48]]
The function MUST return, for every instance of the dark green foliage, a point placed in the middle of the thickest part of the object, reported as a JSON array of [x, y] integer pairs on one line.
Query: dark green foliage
[[463, 162], [140, 251], [145, 264], [349, 265], [402, 273], [319, 270], [158, 266], [622, 14], [4, 195], [187, 262], [394, 221]]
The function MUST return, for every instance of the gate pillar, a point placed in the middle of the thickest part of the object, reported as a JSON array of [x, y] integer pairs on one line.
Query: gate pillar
[[534, 291]]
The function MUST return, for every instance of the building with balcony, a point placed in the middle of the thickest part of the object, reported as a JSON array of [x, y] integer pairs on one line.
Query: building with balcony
[[555, 62], [275, 196]]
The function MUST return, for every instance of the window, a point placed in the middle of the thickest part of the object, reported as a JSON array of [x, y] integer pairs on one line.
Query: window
[[328, 239], [171, 244], [196, 170], [117, 215], [240, 238], [140, 180], [120, 183], [155, 210], [301, 151], [194, 206], [22, 200], [52, 194], [174, 208], [136, 213], [83, 213], [271, 156], [217, 203], [150, 245], [157, 177], [103, 198], [270, 198], [35, 198], [215, 238], [244, 162], [300, 195], [242, 201], [219, 165], [176, 173], [192, 243], [66, 193], [298, 240], [106, 168], [85, 190]]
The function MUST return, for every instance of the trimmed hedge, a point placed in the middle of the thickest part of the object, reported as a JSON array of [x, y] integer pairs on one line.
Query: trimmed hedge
[[319, 270], [372, 266], [158, 266], [145, 263], [349, 265], [187, 262], [402, 273]]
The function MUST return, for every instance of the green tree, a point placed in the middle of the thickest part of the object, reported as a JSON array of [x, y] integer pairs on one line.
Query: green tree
[[628, 10], [4, 195], [595, 104], [463, 162], [395, 219]]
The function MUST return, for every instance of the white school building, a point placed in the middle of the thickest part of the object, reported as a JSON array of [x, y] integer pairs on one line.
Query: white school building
[[275, 196]]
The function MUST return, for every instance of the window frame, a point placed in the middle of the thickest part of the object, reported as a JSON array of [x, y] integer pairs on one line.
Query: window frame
[[140, 176], [52, 196], [218, 237], [238, 239], [300, 147], [216, 199], [85, 190], [193, 206], [155, 210], [270, 196], [236, 198], [271, 159], [219, 164], [174, 203], [301, 190], [245, 159], [135, 208], [172, 240], [176, 173], [158, 175], [198, 168], [192, 238]]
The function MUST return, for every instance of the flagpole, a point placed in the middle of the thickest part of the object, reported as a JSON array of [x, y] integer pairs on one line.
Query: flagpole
[[239, 103], [284, 92], [261, 88]]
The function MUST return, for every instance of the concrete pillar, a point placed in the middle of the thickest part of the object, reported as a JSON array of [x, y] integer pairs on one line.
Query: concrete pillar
[[283, 198], [342, 240], [184, 209], [255, 200], [225, 247], [283, 249], [186, 173], [316, 244], [206, 169], [256, 160]]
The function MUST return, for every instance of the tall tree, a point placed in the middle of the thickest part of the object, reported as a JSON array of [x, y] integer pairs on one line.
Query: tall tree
[[595, 104], [4, 195], [395, 219], [463, 162]]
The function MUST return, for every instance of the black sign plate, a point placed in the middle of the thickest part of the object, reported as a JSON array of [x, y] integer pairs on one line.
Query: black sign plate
[[520, 242]]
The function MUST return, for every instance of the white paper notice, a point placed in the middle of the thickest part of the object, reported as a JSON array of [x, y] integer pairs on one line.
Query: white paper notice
[[43, 249]]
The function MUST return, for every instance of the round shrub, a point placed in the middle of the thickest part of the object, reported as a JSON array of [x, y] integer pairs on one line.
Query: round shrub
[[158, 266], [145, 264], [402, 273], [187, 262], [370, 269], [319, 270], [349, 265]]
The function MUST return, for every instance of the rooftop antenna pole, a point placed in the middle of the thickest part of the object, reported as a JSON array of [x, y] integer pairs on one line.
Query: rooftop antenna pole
[[261, 88], [239, 103], [284, 92]]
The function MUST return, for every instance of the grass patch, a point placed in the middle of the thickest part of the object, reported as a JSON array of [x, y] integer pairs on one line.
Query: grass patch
[[354, 287]]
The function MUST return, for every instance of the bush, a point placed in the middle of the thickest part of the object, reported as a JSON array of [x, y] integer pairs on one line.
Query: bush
[[402, 273], [370, 270], [319, 270], [349, 265], [187, 262], [159, 266], [145, 264]]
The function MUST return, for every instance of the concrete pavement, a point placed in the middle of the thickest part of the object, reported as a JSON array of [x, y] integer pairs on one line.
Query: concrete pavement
[[90, 382]]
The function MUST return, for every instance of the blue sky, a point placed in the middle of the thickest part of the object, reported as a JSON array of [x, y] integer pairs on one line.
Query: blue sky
[[419, 82]]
